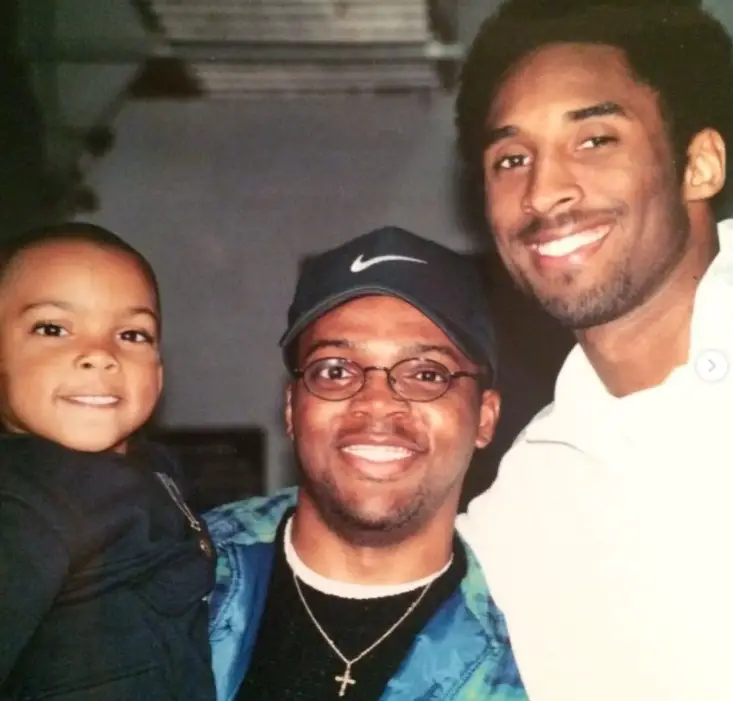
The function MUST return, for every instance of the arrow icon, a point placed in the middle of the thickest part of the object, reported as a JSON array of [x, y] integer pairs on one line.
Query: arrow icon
[[712, 366]]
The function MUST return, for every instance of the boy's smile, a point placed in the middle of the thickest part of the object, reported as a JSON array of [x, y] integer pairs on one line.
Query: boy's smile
[[79, 351]]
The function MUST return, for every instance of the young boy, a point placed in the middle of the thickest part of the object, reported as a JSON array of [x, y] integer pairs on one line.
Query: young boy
[[104, 570]]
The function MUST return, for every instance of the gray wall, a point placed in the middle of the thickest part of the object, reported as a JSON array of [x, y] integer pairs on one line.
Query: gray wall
[[226, 197]]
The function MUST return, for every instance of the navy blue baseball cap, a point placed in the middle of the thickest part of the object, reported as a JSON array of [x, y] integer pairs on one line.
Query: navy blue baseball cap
[[442, 284]]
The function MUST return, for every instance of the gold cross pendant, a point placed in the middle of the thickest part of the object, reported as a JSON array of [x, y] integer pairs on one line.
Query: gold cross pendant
[[345, 679]]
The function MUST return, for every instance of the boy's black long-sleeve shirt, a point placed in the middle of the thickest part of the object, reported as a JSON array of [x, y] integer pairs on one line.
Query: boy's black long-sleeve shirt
[[102, 578]]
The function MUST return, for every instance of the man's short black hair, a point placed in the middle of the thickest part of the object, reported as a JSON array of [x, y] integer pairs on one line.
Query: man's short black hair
[[83, 232], [673, 46]]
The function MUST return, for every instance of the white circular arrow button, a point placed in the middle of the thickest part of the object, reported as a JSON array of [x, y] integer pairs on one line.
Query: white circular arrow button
[[711, 366]]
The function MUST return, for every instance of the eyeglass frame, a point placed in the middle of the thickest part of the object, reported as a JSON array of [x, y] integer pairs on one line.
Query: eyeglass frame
[[481, 377]]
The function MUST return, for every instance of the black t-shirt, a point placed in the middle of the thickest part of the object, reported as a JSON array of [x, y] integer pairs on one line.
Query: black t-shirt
[[291, 661]]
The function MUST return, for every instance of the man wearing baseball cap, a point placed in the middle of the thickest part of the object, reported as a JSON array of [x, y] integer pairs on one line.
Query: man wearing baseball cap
[[355, 585]]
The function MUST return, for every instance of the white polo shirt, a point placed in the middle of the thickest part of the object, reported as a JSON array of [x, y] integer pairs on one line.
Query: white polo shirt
[[607, 538]]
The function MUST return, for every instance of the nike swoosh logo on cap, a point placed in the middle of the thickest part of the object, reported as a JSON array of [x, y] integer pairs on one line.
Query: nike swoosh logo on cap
[[360, 264]]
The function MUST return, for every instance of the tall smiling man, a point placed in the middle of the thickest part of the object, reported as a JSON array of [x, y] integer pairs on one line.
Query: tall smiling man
[[600, 133]]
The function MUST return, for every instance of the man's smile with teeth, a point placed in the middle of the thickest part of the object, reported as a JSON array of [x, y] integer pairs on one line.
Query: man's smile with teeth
[[567, 245], [378, 453]]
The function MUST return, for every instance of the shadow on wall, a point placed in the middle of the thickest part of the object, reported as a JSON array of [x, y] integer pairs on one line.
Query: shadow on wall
[[532, 346], [22, 161]]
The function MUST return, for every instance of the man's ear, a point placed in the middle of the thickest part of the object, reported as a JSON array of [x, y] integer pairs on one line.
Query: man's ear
[[488, 417], [289, 410], [705, 171]]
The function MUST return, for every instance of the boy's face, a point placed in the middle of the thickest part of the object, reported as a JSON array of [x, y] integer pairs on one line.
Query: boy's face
[[79, 348]]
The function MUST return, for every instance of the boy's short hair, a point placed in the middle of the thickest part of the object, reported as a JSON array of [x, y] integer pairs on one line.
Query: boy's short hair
[[72, 231]]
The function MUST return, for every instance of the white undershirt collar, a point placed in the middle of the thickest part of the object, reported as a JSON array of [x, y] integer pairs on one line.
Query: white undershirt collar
[[348, 590]]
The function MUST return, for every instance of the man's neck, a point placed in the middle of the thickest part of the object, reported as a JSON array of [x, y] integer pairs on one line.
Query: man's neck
[[335, 557], [640, 350]]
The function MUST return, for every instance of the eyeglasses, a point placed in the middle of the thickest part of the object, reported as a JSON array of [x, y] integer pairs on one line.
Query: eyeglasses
[[414, 379]]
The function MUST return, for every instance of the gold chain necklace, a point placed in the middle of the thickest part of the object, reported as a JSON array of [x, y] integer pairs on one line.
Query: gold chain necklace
[[345, 679]]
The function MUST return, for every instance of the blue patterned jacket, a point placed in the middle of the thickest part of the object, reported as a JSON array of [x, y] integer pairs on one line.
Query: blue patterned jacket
[[462, 654]]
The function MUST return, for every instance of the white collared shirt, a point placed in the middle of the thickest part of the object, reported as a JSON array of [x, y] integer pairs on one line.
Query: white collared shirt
[[607, 538]]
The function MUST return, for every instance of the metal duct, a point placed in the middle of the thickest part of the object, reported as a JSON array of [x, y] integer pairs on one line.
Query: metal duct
[[241, 47]]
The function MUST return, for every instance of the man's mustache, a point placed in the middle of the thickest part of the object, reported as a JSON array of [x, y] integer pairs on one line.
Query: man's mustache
[[538, 226], [385, 430]]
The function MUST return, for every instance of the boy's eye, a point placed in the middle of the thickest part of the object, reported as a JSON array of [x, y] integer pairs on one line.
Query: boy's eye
[[45, 328], [137, 336]]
